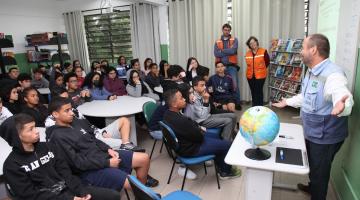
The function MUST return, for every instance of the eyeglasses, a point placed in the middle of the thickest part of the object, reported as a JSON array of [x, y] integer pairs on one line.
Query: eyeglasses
[[73, 81]]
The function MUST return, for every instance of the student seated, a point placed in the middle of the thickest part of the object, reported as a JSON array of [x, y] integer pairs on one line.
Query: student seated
[[24, 81], [77, 95], [135, 65], [94, 83], [39, 81], [164, 66], [113, 84], [221, 88], [4, 112], [174, 78], [193, 69], [79, 71], [10, 98], [34, 171], [137, 88], [119, 129], [192, 138], [199, 111], [94, 161], [152, 78], [33, 107]]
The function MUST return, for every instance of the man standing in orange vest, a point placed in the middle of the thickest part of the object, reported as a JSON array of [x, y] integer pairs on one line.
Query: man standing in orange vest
[[225, 51]]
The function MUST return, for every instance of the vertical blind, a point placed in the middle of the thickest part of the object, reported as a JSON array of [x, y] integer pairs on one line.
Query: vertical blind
[[108, 36]]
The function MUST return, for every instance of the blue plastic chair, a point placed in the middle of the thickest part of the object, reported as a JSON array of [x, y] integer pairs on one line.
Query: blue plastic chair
[[142, 192], [172, 144], [148, 110]]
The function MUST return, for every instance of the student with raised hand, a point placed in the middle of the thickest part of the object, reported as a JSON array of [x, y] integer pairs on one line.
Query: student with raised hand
[[113, 84], [10, 98], [35, 171], [94, 83], [137, 88], [94, 161], [33, 107]]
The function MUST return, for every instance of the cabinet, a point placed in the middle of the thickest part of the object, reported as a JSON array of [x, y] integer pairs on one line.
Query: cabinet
[[6, 59], [286, 69], [38, 54]]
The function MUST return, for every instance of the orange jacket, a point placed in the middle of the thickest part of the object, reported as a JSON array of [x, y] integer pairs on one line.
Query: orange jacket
[[256, 64], [220, 45]]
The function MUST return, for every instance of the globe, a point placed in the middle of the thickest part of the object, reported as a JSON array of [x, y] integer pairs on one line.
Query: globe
[[259, 126]]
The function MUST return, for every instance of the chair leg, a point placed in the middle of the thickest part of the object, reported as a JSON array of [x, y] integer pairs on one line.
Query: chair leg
[[172, 169], [152, 150], [161, 146], [127, 194], [217, 175], [205, 168], [183, 183]]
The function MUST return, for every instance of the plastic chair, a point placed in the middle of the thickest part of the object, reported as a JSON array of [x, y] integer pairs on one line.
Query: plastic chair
[[172, 144], [148, 109], [142, 192]]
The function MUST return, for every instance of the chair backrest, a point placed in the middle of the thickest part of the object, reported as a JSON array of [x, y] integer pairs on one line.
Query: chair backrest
[[148, 109], [141, 192], [169, 136]]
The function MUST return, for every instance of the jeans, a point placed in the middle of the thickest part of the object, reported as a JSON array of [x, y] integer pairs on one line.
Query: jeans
[[225, 120], [217, 147], [232, 71], [320, 159]]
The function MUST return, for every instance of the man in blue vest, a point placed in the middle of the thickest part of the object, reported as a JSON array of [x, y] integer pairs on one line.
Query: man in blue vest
[[325, 103]]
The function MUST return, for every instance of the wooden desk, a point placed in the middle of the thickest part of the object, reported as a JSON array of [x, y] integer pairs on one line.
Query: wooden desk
[[122, 106], [259, 174]]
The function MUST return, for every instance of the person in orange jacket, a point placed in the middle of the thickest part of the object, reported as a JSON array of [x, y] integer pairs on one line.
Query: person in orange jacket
[[257, 60]]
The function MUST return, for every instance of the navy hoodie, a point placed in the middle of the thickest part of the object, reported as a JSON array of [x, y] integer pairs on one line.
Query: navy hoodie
[[34, 175], [223, 87]]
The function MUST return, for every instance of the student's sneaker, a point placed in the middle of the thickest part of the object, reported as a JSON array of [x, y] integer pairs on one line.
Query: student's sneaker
[[304, 188], [190, 174], [209, 163], [151, 182], [131, 147], [235, 172]]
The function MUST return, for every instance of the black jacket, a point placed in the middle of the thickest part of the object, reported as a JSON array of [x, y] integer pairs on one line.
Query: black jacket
[[187, 131], [39, 113], [78, 144], [33, 175]]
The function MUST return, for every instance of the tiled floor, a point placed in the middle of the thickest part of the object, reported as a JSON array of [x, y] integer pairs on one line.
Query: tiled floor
[[205, 185]]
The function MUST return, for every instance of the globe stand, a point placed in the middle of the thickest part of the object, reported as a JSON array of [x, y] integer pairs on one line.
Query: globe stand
[[257, 154]]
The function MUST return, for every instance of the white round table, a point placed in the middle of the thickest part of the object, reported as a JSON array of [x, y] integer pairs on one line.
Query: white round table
[[122, 106], [44, 90]]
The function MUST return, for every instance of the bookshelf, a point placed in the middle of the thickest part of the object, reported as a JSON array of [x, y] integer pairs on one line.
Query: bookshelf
[[7, 59], [286, 68], [47, 55]]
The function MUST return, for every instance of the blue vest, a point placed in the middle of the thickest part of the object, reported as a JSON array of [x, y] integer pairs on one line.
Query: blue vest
[[319, 125]]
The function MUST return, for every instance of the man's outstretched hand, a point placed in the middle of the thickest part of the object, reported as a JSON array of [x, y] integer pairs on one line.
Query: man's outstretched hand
[[280, 104], [339, 106]]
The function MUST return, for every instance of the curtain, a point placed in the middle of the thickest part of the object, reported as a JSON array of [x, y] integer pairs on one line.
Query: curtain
[[75, 28], [264, 19], [194, 25], [145, 37]]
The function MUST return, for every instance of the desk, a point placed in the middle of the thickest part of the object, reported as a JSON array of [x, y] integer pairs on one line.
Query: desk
[[259, 174], [44, 90], [159, 89], [122, 106]]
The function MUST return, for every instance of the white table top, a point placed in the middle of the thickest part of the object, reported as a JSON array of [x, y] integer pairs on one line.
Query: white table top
[[123, 105], [44, 90], [236, 154]]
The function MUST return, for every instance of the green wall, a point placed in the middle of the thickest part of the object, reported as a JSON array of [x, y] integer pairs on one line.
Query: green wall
[[346, 167], [164, 48], [23, 64]]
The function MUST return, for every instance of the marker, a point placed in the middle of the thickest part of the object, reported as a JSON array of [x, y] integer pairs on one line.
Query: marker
[[281, 154], [286, 136]]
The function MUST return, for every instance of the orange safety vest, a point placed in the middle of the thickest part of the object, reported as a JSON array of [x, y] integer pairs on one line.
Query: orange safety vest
[[220, 45], [256, 64]]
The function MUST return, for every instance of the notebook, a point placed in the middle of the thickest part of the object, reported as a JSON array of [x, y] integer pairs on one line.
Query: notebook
[[290, 156]]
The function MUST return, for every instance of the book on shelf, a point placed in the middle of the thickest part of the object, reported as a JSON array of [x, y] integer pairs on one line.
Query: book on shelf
[[289, 45], [286, 85], [284, 59], [282, 45], [294, 87], [273, 56], [296, 59], [274, 44], [288, 71], [278, 83], [273, 93], [296, 74], [297, 45], [272, 70], [279, 71]]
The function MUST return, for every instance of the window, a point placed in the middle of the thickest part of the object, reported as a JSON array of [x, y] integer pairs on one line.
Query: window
[[306, 17], [108, 36]]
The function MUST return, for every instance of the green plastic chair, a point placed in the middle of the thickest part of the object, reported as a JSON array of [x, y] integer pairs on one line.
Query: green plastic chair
[[148, 110]]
